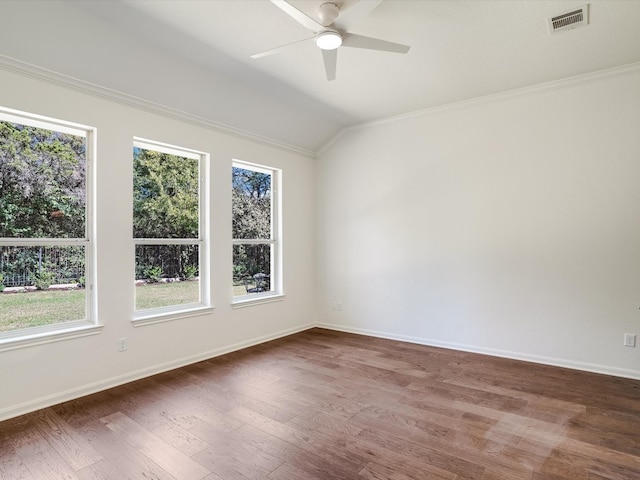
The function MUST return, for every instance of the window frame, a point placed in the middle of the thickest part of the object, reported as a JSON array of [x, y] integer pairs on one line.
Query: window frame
[[172, 312], [89, 325], [276, 291]]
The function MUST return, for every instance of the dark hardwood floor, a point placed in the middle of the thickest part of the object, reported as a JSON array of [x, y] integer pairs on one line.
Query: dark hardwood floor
[[327, 405]]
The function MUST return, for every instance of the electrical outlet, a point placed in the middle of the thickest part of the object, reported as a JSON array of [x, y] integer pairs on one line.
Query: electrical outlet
[[335, 305], [122, 344], [629, 340]]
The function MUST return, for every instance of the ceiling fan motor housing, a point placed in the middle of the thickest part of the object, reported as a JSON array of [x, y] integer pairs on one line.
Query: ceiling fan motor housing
[[328, 13]]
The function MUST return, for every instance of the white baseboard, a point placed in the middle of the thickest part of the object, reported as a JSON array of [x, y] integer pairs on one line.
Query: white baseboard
[[556, 362], [59, 397]]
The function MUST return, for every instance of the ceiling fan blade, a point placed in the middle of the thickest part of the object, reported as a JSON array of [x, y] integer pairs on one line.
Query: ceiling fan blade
[[273, 51], [355, 13], [307, 22], [360, 41], [330, 58]]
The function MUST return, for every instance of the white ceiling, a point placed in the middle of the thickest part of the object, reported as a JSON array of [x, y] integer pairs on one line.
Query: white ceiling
[[195, 55]]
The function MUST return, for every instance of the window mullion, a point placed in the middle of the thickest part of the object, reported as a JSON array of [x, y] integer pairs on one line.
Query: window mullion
[[30, 261], [169, 260], [36, 242], [255, 205], [253, 241], [167, 241]]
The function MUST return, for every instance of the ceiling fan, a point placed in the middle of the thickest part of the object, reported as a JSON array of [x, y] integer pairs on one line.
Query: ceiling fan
[[332, 32]]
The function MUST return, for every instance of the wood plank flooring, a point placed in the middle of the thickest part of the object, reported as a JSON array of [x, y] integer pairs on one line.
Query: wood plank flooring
[[324, 405]]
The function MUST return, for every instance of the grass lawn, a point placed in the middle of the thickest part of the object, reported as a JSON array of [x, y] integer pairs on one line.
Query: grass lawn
[[33, 309], [154, 295], [46, 307]]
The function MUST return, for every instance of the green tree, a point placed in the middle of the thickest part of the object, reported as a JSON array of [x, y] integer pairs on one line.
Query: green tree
[[251, 204], [42, 195], [165, 206], [251, 220], [42, 183], [165, 195]]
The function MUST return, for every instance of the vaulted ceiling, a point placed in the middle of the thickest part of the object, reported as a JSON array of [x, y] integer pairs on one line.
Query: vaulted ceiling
[[195, 55]]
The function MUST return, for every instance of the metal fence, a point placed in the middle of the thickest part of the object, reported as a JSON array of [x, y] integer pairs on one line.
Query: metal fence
[[168, 261], [22, 266]]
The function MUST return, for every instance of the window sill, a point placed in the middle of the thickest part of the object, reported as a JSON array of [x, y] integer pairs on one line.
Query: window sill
[[50, 336], [240, 302], [153, 317]]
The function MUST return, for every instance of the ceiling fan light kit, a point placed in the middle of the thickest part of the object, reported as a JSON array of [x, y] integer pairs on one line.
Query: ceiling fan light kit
[[328, 40], [332, 32]]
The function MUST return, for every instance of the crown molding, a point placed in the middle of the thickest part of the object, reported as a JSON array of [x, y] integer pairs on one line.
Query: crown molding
[[541, 87], [40, 73]]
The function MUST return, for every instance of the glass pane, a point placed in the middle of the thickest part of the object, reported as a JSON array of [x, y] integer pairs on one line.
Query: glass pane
[[42, 183], [251, 269], [41, 286], [251, 204], [166, 275], [165, 195]]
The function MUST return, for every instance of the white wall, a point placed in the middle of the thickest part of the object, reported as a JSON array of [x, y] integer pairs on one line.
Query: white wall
[[41, 375], [508, 225]]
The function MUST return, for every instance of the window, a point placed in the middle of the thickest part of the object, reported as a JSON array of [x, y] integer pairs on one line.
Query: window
[[46, 227], [257, 257], [169, 219]]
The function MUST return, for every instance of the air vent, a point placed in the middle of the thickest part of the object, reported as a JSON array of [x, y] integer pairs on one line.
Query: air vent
[[578, 17]]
